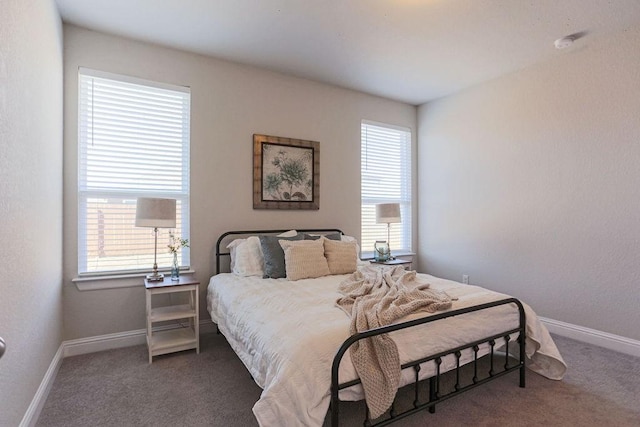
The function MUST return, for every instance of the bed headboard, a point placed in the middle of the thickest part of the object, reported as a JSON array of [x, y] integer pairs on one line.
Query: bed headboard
[[226, 238]]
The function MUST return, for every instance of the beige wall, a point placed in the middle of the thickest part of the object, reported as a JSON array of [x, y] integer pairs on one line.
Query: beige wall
[[30, 199], [530, 184], [229, 103]]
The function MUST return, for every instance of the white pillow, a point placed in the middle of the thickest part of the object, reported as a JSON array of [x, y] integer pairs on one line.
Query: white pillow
[[304, 259], [232, 250], [290, 233], [246, 257]]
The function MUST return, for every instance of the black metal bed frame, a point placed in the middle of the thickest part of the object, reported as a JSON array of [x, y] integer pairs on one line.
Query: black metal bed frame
[[435, 395]]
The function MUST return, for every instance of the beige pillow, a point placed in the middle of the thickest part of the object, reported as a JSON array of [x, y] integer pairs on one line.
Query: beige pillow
[[341, 256], [304, 259]]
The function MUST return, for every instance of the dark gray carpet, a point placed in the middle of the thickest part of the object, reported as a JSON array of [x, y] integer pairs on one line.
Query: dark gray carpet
[[119, 388]]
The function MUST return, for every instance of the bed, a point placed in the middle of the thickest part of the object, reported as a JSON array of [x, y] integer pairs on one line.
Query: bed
[[295, 341]]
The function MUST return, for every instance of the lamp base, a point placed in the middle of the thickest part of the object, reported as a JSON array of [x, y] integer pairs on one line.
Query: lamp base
[[155, 277]]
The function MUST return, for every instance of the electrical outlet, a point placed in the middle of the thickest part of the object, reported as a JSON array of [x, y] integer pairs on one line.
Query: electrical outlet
[[465, 279]]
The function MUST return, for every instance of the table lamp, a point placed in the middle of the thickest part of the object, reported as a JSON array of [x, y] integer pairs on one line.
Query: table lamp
[[388, 213], [155, 213]]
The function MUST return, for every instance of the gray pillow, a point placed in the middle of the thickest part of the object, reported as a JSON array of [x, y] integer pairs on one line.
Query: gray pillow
[[331, 236], [274, 266]]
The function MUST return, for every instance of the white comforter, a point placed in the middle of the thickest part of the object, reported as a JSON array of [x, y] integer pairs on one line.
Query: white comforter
[[287, 333]]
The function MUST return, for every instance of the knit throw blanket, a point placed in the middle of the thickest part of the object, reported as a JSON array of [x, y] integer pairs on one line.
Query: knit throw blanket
[[375, 297]]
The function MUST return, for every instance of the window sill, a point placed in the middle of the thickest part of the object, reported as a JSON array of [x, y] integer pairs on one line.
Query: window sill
[[114, 281]]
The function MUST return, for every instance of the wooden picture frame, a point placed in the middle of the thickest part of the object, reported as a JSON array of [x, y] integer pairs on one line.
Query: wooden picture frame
[[286, 173]]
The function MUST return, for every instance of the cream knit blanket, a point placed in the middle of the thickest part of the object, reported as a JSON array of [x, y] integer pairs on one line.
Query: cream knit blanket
[[375, 297]]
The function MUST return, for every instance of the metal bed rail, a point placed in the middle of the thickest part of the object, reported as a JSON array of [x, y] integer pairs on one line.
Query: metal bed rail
[[220, 254], [435, 395]]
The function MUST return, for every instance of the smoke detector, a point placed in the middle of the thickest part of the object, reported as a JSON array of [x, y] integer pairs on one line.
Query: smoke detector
[[564, 42]]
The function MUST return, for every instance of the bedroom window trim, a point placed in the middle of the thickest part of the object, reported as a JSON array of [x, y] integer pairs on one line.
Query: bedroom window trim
[[133, 141], [386, 162]]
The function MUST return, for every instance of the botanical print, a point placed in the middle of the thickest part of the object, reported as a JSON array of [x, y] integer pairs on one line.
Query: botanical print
[[287, 173]]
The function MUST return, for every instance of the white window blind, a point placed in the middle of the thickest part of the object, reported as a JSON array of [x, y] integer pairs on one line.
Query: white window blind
[[385, 178], [133, 138]]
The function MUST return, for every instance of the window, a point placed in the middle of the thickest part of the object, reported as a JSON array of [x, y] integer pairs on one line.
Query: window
[[133, 138], [385, 178]]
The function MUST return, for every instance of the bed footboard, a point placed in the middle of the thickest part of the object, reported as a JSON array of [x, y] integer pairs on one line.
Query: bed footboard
[[435, 394]]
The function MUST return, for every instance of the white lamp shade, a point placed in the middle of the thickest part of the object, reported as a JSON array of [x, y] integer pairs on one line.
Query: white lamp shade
[[151, 212], [388, 213]]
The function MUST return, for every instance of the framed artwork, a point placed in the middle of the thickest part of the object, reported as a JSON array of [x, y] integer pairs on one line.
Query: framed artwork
[[286, 173]]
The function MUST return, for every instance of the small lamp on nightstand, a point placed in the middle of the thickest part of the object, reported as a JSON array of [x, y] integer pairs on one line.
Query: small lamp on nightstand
[[388, 213], [156, 213]]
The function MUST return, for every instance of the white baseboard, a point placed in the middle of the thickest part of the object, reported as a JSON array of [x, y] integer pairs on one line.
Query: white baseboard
[[30, 417], [592, 336], [85, 346], [119, 340], [104, 342]]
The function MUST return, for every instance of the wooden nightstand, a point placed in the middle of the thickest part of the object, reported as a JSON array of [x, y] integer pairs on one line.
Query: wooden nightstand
[[184, 337], [404, 262]]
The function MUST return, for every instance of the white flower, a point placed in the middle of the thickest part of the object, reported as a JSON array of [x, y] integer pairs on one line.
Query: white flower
[[176, 243]]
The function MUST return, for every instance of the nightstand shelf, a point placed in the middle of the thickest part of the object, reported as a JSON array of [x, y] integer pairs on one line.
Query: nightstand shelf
[[183, 336], [172, 312], [171, 340]]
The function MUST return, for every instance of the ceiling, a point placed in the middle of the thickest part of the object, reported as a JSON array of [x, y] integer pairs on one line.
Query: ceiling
[[408, 50]]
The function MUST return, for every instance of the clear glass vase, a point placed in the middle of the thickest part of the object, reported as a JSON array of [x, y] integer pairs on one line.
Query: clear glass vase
[[175, 267], [381, 250]]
